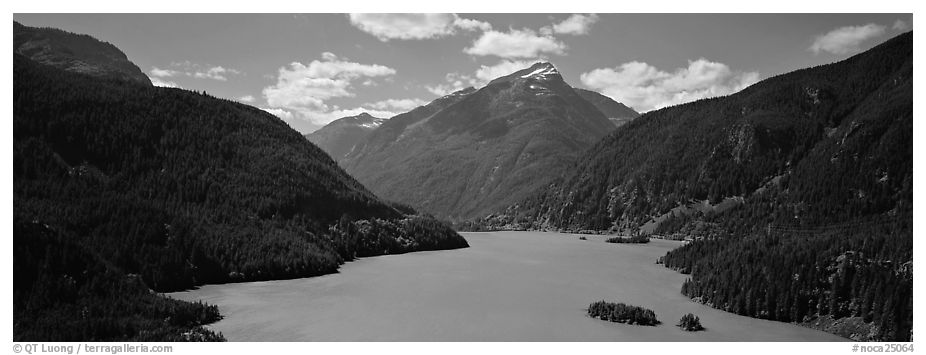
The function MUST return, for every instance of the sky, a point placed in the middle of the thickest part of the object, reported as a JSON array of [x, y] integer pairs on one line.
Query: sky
[[310, 69]]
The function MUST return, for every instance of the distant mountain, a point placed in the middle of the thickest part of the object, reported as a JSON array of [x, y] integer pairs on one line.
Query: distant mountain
[[339, 137], [121, 188], [618, 113], [478, 150], [798, 191], [75, 52]]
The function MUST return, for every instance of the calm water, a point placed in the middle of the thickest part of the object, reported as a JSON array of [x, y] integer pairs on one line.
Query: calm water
[[508, 286]]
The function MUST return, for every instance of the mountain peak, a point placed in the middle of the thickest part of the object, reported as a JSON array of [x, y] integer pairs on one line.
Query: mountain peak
[[537, 71], [540, 71]]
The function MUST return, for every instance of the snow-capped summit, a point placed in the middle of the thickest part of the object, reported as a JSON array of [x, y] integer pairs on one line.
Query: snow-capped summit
[[537, 71], [541, 71]]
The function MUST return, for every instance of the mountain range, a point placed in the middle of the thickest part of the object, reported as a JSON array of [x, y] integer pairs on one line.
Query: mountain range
[[474, 151], [795, 194]]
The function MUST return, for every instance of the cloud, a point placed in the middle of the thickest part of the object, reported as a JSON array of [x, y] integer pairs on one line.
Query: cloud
[[162, 73], [156, 81], [305, 89], [393, 105], [471, 25], [414, 26], [281, 113], [189, 69], [515, 43], [452, 82], [246, 98], [215, 73], [645, 87], [846, 39], [577, 24], [901, 25]]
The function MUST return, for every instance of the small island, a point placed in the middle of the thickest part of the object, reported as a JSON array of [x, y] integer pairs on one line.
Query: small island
[[636, 239], [622, 313], [690, 322]]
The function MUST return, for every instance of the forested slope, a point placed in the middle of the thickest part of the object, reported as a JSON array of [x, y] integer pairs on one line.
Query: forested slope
[[821, 160], [180, 189]]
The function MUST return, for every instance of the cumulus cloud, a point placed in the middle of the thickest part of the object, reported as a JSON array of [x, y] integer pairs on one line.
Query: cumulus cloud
[[394, 105], [846, 39], [304, 90], [414, 26], [645, 87], [577, 24], [515, 43], [901, 25], [246, 98]]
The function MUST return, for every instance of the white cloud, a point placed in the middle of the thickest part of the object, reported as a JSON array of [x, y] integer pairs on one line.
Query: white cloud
[[304, 89], [846, 39], [246, 98], [328, 56], [577, 24], [215, 73], [414, 26], [515, 43], [645, 87], [393, 105], [162, 83], [281, 113], [471, 25], [901, 25], [187, 68], [452, 82], [162, 73]]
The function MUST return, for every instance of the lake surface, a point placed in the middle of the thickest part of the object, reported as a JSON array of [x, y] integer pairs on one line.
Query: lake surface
[[507, 286]]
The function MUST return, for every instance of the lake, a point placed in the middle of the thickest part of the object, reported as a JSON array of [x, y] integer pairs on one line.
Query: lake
[[507, 286]]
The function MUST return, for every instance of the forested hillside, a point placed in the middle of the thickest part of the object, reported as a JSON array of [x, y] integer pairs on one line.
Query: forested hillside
[[174, 189], [802, 152], [74, 52]]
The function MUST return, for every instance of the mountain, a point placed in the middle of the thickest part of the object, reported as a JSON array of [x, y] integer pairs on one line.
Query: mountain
[[474, 151], [123, 189], [339, 137], [616, 112], [75, 52], [798, 191]]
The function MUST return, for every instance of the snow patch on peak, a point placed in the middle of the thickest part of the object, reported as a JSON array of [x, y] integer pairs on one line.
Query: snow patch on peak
[[542, 72]]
